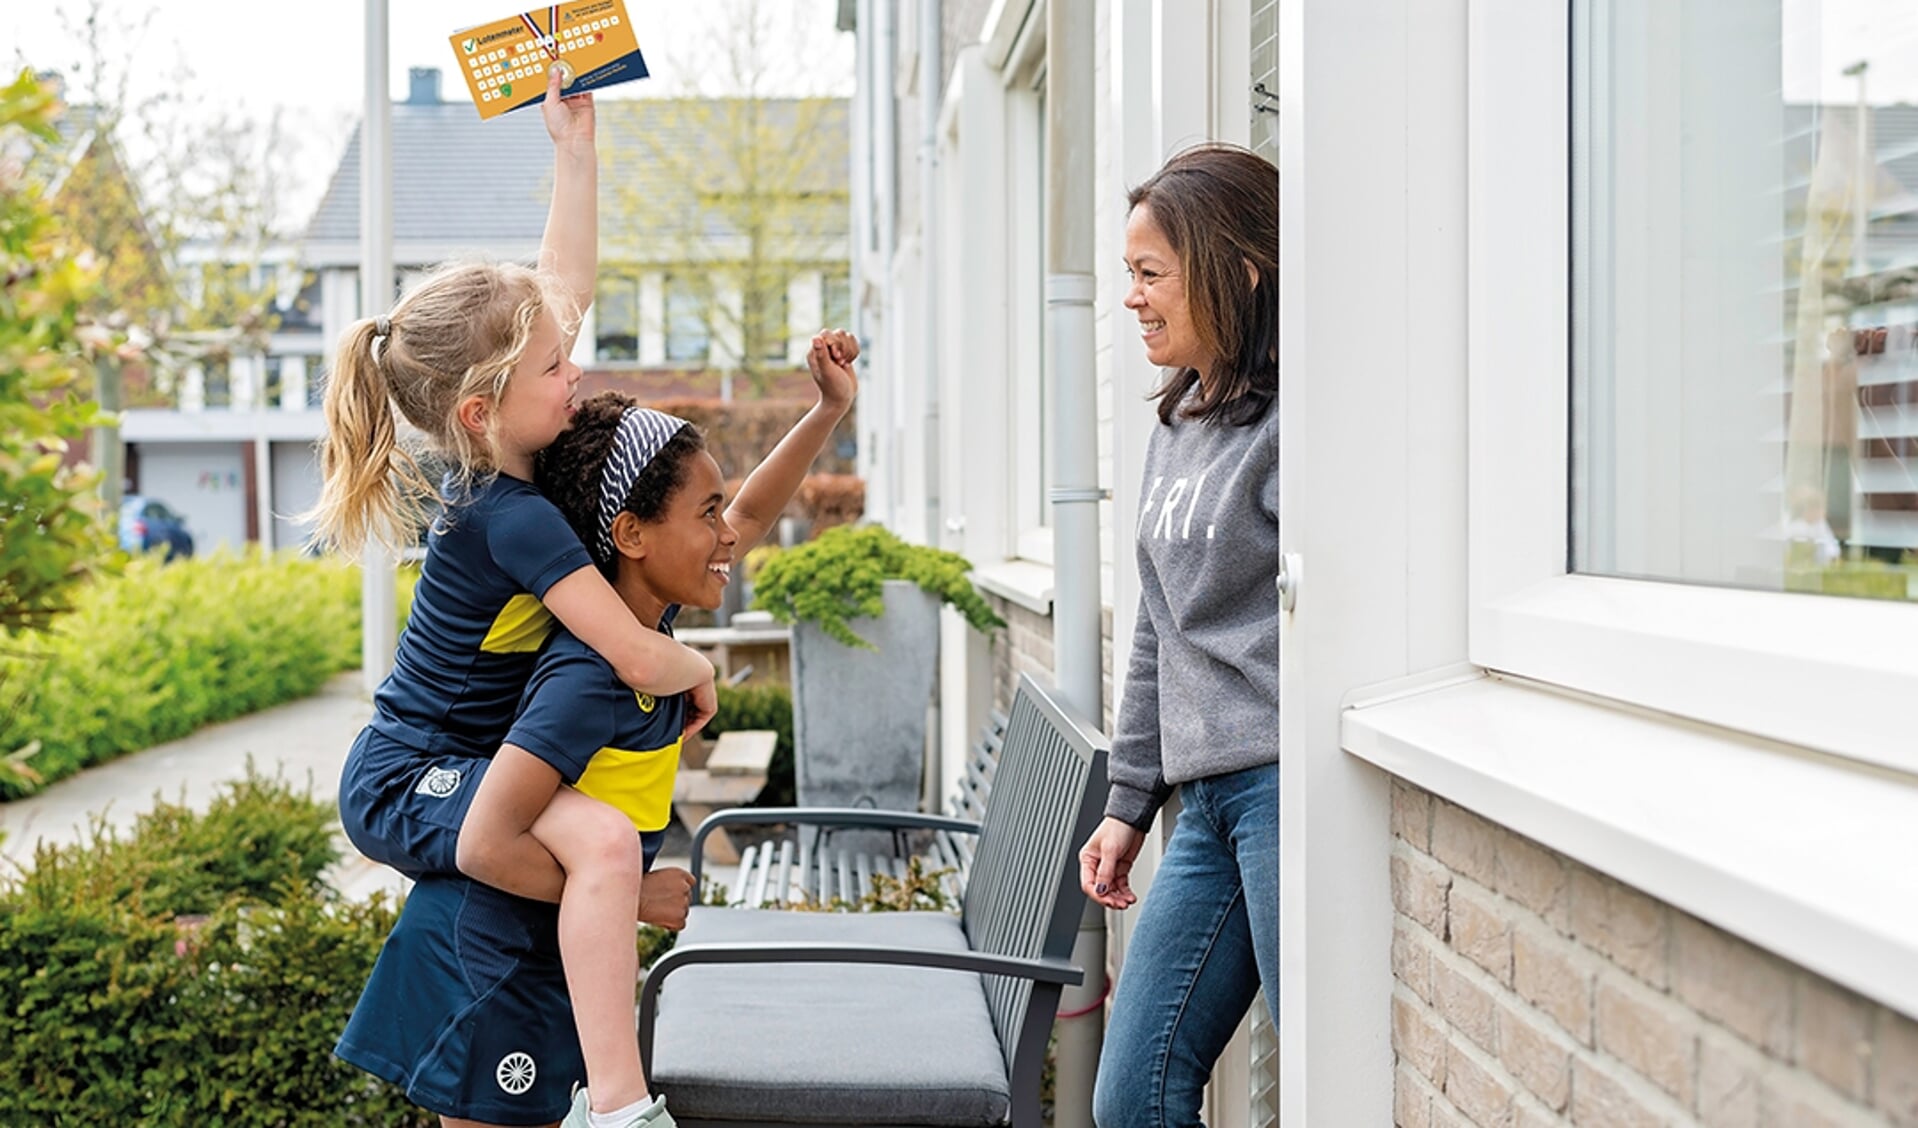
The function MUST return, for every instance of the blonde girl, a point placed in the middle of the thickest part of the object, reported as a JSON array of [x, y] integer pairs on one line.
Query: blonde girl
[[476, 358]]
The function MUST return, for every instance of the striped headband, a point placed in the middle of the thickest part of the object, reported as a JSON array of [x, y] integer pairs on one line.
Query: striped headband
[[636, 441]]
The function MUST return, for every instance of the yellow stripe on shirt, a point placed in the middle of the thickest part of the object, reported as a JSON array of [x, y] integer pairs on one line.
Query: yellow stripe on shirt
[[639, 784], [520, 627]]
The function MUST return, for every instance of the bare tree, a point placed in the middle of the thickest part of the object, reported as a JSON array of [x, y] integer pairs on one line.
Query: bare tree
[[737, 189]]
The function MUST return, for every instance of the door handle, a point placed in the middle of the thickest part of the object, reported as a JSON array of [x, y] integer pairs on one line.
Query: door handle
[[1290, 569]]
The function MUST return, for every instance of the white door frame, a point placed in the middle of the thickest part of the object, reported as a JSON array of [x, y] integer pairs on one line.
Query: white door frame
[[1372, 157]]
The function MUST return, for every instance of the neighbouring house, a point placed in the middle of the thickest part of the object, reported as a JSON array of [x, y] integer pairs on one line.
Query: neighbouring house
[[1597, 771], [710, 283]]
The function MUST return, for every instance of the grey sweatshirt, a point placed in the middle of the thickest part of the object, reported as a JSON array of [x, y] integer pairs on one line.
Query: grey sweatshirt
[[1202, 689]]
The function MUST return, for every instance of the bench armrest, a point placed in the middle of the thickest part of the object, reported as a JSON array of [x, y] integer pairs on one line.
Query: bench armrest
[[1057, 971], [863, 817]]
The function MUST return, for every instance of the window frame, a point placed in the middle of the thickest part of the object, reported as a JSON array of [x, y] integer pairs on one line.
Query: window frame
[[1822, 672], [1032, 392]]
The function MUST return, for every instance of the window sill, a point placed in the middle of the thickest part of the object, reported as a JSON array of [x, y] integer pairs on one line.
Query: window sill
[[1023, 583], [1800, 853]]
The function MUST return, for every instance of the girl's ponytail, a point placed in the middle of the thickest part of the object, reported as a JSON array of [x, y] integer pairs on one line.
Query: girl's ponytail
[[372, 489]]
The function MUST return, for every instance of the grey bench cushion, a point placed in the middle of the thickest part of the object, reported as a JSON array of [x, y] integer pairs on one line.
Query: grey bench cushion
[[831, 1043]]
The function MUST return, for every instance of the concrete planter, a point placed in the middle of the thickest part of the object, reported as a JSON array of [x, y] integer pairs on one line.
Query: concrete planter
[[859, 716]]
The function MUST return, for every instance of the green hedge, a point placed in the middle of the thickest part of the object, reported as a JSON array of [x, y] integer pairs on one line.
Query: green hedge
[[153, 654], [761, 707], [120, 1003]]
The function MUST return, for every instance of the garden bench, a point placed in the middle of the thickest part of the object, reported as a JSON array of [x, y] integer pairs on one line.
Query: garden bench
[[732, 773], [813, 871], [898, 1018]]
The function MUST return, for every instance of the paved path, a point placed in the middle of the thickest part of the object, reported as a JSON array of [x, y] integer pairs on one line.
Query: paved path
[[303, 741]]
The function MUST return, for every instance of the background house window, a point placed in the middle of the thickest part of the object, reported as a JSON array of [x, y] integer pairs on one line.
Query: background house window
[[272, 382], [217, 384], [836, 301], [1745, 295], [616, 318], [772, 322], [688, 335]]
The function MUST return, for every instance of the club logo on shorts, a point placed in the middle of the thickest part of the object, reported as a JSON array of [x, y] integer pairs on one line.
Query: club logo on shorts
[[516, 1072], [647, 702], [439, 782]]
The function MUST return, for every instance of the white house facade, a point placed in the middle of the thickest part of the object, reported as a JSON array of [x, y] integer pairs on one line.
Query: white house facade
[[1598, 781], [235, 453]]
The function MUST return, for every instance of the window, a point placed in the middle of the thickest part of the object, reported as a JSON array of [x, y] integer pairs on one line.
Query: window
[[616, 318], [1628, 508], [836, 301], [1742, 334], [771, 323], [272, 382], [688, 337], [1032, 392], [216, 384]]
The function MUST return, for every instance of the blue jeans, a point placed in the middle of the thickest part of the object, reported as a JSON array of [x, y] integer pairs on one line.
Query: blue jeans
[[1207, 939]]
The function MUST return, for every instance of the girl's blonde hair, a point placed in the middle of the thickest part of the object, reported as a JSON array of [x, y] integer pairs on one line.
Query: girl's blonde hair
[[458, 334]]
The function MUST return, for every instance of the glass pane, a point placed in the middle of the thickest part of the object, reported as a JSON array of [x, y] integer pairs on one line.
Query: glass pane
[[687, 338], [616, 318], [1745, 294]]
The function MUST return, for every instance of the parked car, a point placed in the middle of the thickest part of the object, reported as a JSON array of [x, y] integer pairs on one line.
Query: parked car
[[148, 523]]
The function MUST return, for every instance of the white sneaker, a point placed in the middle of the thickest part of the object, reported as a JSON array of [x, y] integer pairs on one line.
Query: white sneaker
[[652, 1116]]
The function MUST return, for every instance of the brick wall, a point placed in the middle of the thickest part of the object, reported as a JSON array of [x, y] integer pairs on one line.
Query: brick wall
[[1025, 647], [1530, 990]]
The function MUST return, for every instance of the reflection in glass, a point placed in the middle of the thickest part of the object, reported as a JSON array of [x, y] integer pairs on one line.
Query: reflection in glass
[[1745, 294]]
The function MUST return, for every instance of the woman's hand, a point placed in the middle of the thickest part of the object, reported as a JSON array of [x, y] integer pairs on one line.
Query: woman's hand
[[830, 362], [570, 121], [1105, 863]]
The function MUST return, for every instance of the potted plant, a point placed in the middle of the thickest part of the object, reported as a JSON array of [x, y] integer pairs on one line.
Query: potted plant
[[864, 608]]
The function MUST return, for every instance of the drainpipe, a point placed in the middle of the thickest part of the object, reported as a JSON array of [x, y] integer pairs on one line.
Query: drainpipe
[[931, 71], [1070, 288], [377, 605]]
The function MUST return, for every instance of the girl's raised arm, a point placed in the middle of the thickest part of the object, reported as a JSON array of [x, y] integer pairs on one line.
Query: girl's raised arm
[[569, 249], [773, 482]]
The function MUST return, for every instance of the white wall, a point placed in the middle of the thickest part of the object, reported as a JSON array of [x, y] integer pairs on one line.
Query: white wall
[[296, 487], [206, 483]]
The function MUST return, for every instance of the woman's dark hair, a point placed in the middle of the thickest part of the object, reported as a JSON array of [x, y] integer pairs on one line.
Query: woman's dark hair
[[567, 472], [1218, 206]]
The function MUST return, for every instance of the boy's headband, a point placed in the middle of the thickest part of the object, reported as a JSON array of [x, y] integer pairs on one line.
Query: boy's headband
[[636, 441]]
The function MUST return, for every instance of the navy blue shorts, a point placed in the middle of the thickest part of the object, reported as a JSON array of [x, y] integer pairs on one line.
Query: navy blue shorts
[[467, 1009], [403, 807]]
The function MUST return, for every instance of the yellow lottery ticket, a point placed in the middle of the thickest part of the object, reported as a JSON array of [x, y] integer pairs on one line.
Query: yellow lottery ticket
[[589, 42]]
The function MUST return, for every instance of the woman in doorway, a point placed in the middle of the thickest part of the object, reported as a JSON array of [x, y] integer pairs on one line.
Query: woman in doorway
[[1201, 707]]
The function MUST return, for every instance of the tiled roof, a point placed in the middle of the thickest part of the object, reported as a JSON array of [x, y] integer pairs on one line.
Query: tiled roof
[[460, 182]]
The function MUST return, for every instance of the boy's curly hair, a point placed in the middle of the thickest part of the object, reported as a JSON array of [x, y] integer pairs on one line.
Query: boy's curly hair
[[567, 472]]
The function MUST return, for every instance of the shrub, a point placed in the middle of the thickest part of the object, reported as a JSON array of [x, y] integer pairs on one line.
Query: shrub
[[51, 535], [838, 577], [257, 834], [153, 654], [115, 1007], [761, 707]]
